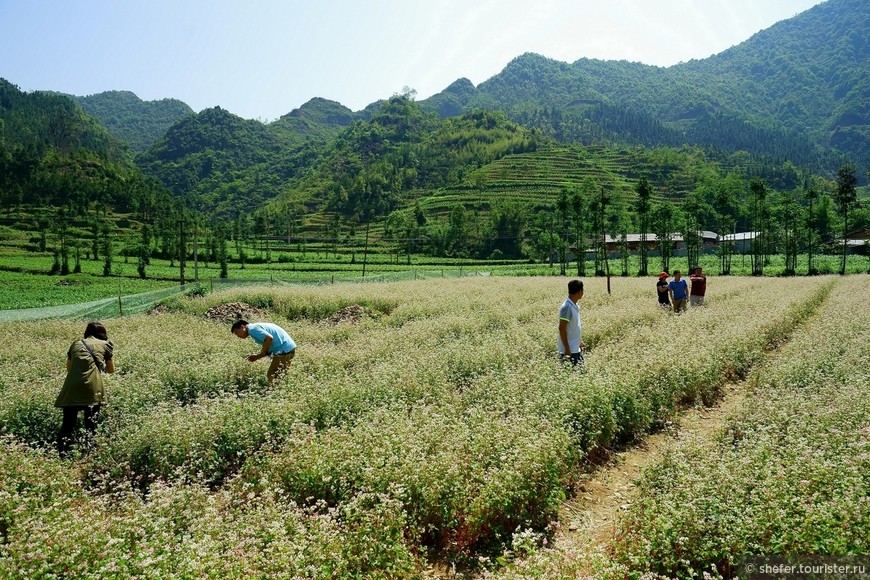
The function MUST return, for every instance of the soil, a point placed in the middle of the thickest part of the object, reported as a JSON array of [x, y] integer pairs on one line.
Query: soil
[[233, 311], [588, 521], [351, 315], [158, 310]]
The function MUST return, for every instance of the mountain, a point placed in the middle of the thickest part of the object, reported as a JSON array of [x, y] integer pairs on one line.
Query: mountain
[[317, 120], [219, 162], [454, 99], [203, 151], [52, 153], [792, 98], [810, 73], [44, 120], [134, 121], [381, 164], [799, 90]]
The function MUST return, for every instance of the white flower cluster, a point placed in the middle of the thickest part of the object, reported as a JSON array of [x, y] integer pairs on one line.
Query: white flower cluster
[[446, 423]]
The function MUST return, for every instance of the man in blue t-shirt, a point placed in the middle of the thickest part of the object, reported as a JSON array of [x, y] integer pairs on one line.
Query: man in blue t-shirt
[[570, 329], [679, 291], [274, 342]]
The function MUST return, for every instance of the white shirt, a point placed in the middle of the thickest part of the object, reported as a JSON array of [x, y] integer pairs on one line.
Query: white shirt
[[570, 313]]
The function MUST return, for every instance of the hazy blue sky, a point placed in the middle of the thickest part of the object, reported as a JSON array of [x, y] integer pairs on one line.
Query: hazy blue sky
[[263, 58]]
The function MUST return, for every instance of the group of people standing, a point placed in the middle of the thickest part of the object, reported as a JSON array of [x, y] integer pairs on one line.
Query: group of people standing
[[672, 295], [675, 295]]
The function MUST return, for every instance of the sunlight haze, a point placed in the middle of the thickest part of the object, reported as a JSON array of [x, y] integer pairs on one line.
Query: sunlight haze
[[260, 59]]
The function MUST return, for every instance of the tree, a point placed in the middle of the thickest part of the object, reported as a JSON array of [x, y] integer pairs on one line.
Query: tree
[[78, 267], [642, 207], [811, 235], [845, 197], [107, 254], [563, 208], [395, 227], [182, 248], [758, 189], [506, 224], [144, 251], [787, 215], [599, 230], [370, 197], [43, 237], [695, 213], [620, 223], [55, 265], [665, 217], [457, 231], [335, 232], [578, 217], [724, 202], [222, 250], [60, 226]]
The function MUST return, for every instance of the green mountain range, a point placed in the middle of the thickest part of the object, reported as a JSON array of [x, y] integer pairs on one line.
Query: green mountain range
[[137, 123], [797, 90], [792, 100]]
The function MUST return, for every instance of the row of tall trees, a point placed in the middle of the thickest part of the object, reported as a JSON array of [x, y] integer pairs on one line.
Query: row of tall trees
[[585, 217]]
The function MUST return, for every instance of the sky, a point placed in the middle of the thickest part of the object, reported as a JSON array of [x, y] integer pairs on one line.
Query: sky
[[260, 59]]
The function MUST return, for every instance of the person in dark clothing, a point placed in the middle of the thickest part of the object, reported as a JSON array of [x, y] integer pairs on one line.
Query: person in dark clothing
[[662, 291], [699, 287], [83, 389]]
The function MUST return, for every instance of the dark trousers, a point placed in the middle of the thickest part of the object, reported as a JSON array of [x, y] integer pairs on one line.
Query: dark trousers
[[67, 428]]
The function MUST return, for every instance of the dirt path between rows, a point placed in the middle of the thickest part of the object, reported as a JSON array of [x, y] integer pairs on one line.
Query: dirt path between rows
[[588, 521]]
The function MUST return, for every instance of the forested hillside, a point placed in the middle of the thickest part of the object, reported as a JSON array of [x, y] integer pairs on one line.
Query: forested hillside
[[376, 166], [793, 91], [219, 162], [52, 153], [541, 156], [43, 120], [318, 120], [137, 123]]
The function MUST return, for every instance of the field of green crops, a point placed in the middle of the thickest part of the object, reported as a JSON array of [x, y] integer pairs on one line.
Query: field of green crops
[[441, 430]]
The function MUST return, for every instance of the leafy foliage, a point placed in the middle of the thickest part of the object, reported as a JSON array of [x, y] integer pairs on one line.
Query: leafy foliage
[[795, 91], [54, 154], [137, 123]]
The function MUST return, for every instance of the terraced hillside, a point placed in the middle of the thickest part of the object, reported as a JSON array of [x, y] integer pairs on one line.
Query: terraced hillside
[[536, 178]]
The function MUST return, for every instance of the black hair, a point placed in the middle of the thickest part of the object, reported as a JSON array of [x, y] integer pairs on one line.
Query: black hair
[[97, 330], [238, 324], [575, 286], [676, 272]]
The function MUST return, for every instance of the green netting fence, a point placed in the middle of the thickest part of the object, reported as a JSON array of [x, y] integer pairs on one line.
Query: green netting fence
[[97, 309]]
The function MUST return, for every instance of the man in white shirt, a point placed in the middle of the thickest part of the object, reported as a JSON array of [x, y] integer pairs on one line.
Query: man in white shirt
[[570, 331]]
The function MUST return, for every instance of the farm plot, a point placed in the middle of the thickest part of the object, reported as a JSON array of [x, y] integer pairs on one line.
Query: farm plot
[[788, 475], [442, 426]]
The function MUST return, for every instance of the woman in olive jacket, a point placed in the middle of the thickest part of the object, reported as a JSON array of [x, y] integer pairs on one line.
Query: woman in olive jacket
[[83, 390]]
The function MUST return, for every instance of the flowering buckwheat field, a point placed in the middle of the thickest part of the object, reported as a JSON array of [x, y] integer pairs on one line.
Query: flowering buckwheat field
[[440, 429]]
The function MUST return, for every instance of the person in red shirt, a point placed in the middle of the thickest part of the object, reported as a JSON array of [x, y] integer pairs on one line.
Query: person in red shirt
[[699, 287]]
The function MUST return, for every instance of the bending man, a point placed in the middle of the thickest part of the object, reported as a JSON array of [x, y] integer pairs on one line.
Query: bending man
[[274, 342]]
